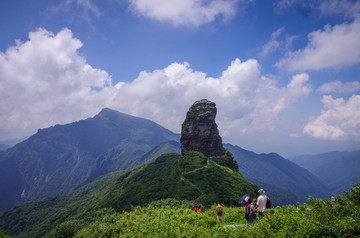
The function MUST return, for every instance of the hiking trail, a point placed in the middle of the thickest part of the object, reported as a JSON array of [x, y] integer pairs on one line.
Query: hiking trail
[[192, 171]]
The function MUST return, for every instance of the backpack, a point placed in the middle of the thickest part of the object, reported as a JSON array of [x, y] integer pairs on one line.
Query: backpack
[[268, 202], [247, 209], [247, 212], [219, 211]]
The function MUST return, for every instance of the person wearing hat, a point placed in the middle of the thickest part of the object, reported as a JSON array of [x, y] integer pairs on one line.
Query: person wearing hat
[[261, 203]]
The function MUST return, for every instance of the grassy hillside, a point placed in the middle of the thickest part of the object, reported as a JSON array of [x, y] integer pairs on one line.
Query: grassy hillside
[[169, 176], [172, 218], [321, 218], [128, 155]]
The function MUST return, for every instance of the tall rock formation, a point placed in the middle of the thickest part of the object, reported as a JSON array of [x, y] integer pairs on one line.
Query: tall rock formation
[[199, 130]]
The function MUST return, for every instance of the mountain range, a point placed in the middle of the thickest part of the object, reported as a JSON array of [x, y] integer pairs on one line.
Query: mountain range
[[191, 175], [61, 158], [283, 180], [337, 170]]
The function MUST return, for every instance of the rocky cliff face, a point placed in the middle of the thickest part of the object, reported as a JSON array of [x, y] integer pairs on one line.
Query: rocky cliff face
[[199, 130]]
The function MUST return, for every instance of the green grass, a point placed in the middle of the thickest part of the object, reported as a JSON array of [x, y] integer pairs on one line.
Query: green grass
[[132, 205], [191, 160], [325, 219]]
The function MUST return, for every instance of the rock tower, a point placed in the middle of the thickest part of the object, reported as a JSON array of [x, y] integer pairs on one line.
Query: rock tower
[[199, 130]]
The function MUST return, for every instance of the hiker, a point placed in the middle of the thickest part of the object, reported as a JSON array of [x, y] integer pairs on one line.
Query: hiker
[[196, 209], [253, 210], [261, 203], [247, 209], [219, 210], [200, 209]]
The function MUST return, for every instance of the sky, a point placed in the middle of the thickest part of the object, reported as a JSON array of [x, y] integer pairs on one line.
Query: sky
[[284, 74]]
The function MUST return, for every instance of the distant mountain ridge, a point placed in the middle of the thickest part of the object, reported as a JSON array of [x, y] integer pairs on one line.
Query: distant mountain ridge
[[338, 170], [60, 158], [282, 174], [4, 147]]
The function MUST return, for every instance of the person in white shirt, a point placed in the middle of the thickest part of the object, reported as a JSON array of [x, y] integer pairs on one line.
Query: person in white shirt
[[261, 203]]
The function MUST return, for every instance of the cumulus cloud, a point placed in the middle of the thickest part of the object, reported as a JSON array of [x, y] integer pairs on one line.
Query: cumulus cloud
[[246, 100], [340, 87], [338, 121], [44, 81], [185, 12], [334, 47]]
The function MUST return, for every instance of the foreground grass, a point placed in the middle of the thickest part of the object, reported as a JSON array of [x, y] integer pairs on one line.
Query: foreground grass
[[171, 218]]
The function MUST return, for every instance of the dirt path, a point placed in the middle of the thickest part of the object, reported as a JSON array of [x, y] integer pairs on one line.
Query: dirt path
[[192, 171], [234, 226]]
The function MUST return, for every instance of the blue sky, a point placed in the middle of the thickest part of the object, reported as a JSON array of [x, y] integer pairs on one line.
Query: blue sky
[[284, 74]]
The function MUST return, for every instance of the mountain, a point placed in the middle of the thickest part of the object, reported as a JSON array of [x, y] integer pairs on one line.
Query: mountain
[[60, 158], [190, 175], [278, 176], [338, 170], [128, 155], [4, 147], [168, 176]]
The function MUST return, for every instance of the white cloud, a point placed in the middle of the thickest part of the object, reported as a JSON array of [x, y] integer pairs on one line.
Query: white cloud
[[44, 81], [340, 87], [75, 11], [281, 5], [185, 12], [339, 120], [277, 43], [246, 100], [333, 47], [347, 8], [273, 43], [86, 5]]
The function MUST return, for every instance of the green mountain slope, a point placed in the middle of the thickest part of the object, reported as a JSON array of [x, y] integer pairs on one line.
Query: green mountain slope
[[128, 155], [320, 218], [169, 176], [338, 170], [278, 176], [60, 158]]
